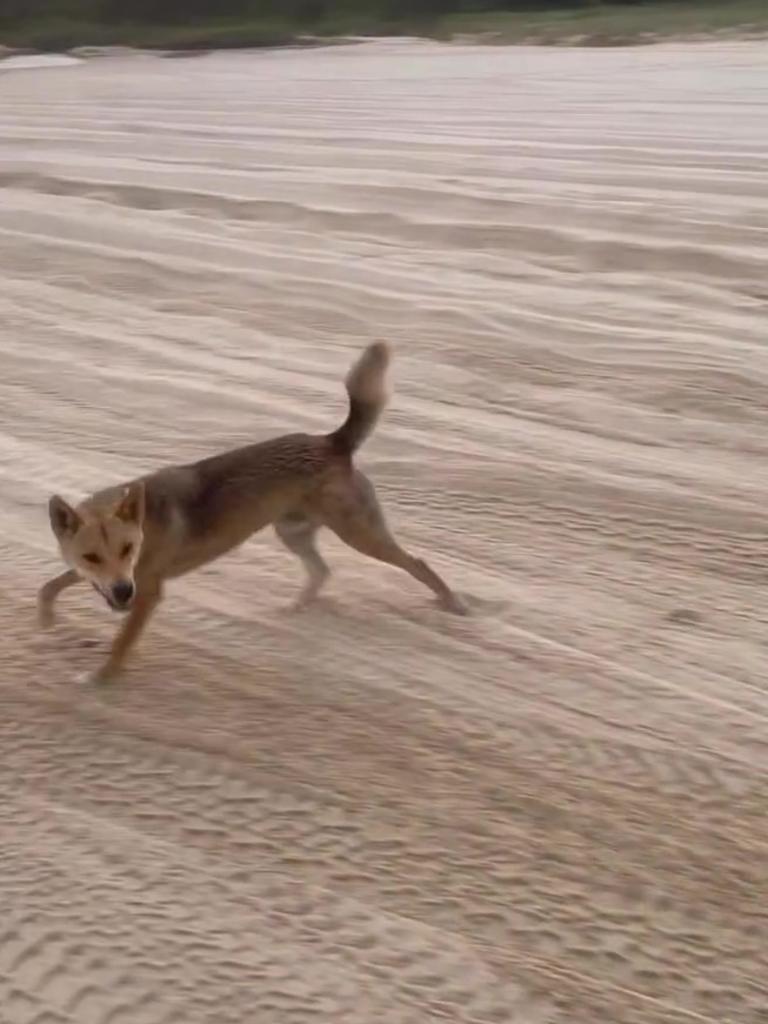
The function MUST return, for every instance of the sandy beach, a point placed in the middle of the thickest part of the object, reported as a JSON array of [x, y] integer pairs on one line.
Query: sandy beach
[[551, 812]]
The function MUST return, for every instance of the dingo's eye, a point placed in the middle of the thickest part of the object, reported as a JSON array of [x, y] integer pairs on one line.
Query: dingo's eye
[[93, 559], [127, 549]]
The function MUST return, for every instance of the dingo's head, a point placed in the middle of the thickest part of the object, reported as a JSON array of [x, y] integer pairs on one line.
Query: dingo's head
[[103, 544]]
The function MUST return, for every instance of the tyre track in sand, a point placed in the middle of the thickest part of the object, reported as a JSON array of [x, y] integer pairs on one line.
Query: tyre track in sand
[[553, 811]]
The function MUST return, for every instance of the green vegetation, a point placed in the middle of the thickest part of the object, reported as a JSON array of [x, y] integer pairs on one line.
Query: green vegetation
[[210, 24], [612, 23]]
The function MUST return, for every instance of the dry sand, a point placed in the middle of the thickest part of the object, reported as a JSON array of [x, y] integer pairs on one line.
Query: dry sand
[[554, 811]]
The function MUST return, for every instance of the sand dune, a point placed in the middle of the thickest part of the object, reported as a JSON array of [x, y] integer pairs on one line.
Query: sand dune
[[553, 811]]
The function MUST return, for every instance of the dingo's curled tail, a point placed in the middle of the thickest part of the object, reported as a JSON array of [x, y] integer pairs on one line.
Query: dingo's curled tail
[[366, 387]]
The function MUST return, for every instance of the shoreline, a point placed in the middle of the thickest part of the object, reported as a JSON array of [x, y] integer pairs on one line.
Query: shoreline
[[25, 58]]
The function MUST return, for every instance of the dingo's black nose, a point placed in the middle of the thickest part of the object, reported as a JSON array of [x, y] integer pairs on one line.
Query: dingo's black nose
[[122, 592]]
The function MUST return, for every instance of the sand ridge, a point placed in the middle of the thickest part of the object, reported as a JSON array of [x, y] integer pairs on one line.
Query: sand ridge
[[553, 811]]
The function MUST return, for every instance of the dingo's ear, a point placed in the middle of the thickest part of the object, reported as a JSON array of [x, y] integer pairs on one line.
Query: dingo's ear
[[131, 507], [64, 519]]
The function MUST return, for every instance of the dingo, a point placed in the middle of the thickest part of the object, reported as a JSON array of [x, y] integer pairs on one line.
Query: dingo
[[126, 541]]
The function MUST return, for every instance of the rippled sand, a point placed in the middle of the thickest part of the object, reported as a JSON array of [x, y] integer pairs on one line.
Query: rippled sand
[[552, 812]]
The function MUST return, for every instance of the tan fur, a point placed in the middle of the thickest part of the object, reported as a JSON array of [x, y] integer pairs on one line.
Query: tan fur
[[128, 540]]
